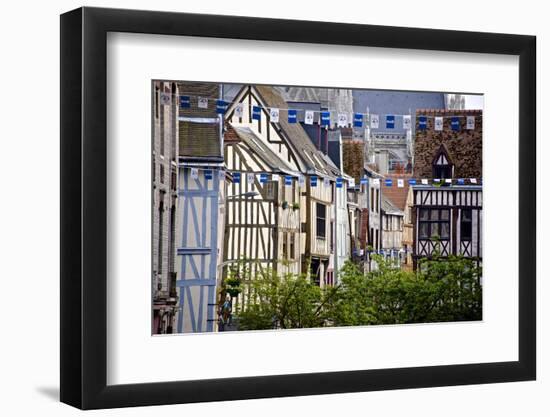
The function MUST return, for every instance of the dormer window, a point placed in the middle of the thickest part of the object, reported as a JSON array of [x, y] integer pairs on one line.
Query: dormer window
[[442, 165]]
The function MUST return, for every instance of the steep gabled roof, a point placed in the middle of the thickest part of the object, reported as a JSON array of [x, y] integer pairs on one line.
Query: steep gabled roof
[[398, 195], [261, 149], [388, 207], [312, 158]]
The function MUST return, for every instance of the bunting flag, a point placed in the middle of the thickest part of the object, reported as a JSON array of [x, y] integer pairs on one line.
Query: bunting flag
[[275, 177], [237, 177], [194, 173], [308, 118], [390, 121], [374, 121], [263, 178], [412, 181], [422, 122], [221, 106], [437, 180], [326, 182], [313, 180], [473, 180], [388, 182], [239, 110], [301, 181], [221, 175], [256, 113], [364, 181], [460, 181], [455, 123], [165, 99], [339, 182], [208, 174], [274, 115], [407, 122], [470, 122], [448, 181], [357, 120], [424, 181], [438, 123], [376, 181], [351, 182], [292, 116], [342, 119], [202, 103], [185, 102], [400, 183], [325, 118], [288, 180], [250, 177]]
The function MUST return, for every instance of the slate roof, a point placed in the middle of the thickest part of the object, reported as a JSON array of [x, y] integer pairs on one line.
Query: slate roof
[[199, 142], [262, 150], [312, 158], [388, 207]]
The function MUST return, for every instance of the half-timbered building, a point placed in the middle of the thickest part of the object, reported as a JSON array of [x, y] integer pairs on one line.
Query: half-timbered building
[[448, 210], [201, 199], [251, 109]]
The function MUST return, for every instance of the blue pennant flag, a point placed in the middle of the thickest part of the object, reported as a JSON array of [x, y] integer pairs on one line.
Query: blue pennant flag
[[364, 181], [389, 182], [313, 180], [256, 113], [422, 122], [207, 174], [460, 181], [221, 106], [339, 182], [288, 180], [412, 181], [455, 123], [236, 177], [263, 178], [390, 121], [357, 120], [325, 118], [185, 102], [292, 116]]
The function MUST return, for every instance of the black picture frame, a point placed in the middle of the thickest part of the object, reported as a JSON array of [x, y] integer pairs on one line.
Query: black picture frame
[[84, 207]]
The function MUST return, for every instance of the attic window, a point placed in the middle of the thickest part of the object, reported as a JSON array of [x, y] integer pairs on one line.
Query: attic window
[[442, 166]]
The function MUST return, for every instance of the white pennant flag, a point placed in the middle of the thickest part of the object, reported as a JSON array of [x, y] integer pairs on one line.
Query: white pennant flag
[[301, 181], [374, 121], [239, 109], [203, 103], [342, 119], [438, 123], [376, 181], [250, 178], [470, 122], [351, 182], [194, 173], [424, 181], [165, 99], [326, 182], [308, 119], [275, 177], [221, 175], [448, 181], [407, 125], [274, 115], [473, 180], [400, 183]]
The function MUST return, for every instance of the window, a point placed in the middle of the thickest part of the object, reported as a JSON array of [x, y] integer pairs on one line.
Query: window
[[292, 246], [161, 122], [442, 167], [162, 173], [285, 245], [434, 223], [466, 224], [321, 220], [160, 231], [331, 231], [157, 102]]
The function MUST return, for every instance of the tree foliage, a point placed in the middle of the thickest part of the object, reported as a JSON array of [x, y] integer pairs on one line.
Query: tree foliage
[[441, 290]]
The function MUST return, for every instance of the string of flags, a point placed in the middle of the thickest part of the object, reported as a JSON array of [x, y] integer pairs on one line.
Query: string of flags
[[342, 119], [314, 180]]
